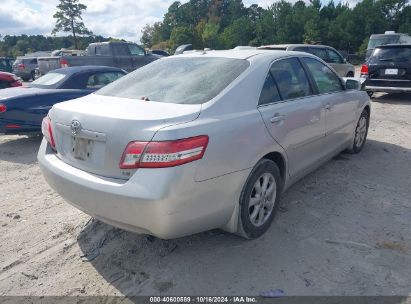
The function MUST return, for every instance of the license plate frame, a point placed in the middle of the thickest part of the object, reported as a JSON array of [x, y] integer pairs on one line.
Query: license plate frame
[[391, 72], [81, 148]]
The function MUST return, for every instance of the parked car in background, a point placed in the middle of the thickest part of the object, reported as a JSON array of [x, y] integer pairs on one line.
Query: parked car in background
[[160, 52], [182, 48], [9, 80], [124, 55], [326, 53], [202, 140], [22, 109], [389, 37], [6, 64], [388, 69], [25, 68]]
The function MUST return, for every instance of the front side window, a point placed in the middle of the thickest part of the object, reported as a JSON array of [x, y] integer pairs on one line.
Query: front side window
[[290, 78], [333, 57], [100, 80], [269, 93], [326, 80], [178, 80]]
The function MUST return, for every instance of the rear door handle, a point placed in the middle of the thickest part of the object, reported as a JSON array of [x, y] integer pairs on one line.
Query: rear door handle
[[277, 118]]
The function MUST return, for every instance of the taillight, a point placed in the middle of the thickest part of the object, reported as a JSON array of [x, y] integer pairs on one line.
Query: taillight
[[3, 108], [64, 63], [364, 69], [21, 66], [47, 131], [161, 154]]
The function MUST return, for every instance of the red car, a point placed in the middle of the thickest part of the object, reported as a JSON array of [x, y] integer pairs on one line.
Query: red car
[[8, 80]]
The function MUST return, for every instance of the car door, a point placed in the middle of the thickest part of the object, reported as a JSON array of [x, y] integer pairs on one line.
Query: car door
[[339, 104], [122, 58], [292, 115]]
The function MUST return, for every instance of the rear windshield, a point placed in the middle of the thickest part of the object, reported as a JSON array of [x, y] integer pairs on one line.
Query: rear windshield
[[395, 54], [48, 80], [178, 80], [381, 40]]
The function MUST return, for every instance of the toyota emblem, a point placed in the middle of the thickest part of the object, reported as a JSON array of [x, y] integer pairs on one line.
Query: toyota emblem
[[75, 127]]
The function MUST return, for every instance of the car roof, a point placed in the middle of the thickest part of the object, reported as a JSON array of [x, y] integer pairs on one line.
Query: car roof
[[239, 54], [394, 45], [294, 45], [86, 68]]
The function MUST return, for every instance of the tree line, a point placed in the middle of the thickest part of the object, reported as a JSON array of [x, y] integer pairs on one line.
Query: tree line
[[13, 46], [222, 24]]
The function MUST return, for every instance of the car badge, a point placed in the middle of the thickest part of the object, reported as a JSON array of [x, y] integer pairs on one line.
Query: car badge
[[75, 127]]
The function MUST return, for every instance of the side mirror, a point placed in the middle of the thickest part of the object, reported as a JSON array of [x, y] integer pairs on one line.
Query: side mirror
[[352, 84]]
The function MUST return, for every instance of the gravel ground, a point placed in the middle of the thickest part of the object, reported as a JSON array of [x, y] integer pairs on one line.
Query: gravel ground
[[343, 230]]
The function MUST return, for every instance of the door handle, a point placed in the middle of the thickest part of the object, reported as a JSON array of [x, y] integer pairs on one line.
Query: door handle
[[277, 118]]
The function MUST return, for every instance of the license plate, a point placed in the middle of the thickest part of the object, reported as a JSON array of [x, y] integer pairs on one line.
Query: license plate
[[81, 148], [391, 72]]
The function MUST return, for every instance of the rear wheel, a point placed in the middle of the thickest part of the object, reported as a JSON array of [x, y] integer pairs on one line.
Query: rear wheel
[[259, 199]]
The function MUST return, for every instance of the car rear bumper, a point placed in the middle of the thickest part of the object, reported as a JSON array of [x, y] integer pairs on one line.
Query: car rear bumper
[[387, 89], [164, 202]]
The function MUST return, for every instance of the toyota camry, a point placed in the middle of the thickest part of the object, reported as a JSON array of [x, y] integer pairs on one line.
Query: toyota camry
[[202, 140]]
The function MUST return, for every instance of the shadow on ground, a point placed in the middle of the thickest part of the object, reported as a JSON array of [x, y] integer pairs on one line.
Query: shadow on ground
[[19, 149], [393, 98], [328, 239]]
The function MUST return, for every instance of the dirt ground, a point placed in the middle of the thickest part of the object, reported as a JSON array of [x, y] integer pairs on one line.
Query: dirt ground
[[343, 230]]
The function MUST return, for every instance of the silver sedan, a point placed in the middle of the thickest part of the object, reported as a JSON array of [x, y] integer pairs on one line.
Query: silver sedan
[[201, 140]]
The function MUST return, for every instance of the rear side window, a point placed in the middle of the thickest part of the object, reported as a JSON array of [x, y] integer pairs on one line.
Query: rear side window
[[395, 54], [326, 80], [183, 80], [319, 52], [102, 50], [99, 80], [269, 93], [291, 79]]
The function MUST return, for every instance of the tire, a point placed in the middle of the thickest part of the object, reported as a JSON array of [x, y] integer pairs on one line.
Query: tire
[[360, 133], [255, 222], [33, 75], [350, 74]]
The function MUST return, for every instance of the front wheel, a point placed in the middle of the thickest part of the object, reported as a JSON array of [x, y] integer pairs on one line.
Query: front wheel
[[361, 131], [259, 199]]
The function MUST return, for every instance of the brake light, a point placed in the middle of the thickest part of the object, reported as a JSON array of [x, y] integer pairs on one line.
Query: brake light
[[162, 154], [47, 131], [364, 69], [64, 63], [3, 108], [21, 66]]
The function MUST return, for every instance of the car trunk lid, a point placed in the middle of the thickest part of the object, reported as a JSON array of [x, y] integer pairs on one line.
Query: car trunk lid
[[92, 132]]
